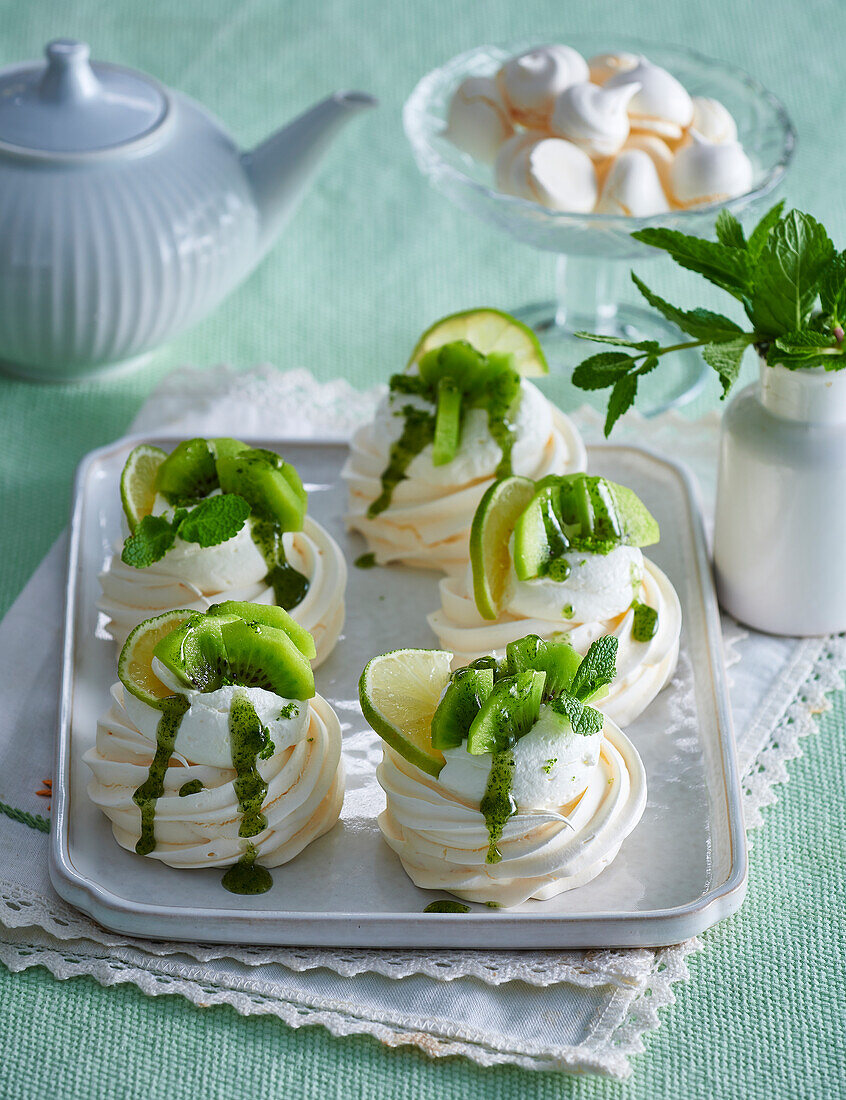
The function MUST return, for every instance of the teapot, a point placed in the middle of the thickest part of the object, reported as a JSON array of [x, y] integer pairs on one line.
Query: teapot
[[127, 212]]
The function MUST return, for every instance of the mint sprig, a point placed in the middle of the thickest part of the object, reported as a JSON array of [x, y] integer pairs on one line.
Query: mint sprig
[[215, 520], [789, 280], [583, 719], [598, 668]]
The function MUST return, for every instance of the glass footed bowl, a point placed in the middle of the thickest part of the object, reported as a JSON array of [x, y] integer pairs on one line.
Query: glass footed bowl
[[591, 248]]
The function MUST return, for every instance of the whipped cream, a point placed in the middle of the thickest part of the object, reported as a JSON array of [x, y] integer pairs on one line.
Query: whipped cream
[[442, 840], [194, 577], [478, 121], [427, 523], [304, 777], [530, 82], [712, 120], [661, 105], [706, 172], [605, 65], [550, 171], [633, 187], [594, 117], [537, 607]]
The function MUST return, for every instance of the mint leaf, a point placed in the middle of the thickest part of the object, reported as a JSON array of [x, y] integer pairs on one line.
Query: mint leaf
[[622, 398], [702, 324], [215, 520], [602, 370], [729, 230], [758, 236], [725, 358], [583, 719], [640, 345], [786, 280], [728, 268], [833, 289], [150, 541], [806, 349], [598, 668]]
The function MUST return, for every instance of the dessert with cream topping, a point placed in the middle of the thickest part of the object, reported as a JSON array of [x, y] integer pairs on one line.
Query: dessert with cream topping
[[216, 751], [214, 520], [462, 414], [561, 558], [502, 782], [558, 131]]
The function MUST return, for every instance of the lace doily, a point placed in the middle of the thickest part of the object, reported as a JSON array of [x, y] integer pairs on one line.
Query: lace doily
[[607, 999]]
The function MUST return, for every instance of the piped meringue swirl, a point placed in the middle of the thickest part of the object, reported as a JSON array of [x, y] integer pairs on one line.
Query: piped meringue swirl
[[427, 523], [530, 82], [195, 577], [304, 777], [643, 668], [442, 839]]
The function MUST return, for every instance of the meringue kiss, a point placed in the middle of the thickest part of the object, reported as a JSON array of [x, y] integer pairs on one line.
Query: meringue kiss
[[712, 120], [593, 117], [705, 171], [552, 172], [478, 121], [632, 187], [605, 65], [661, 105], [530, 82]]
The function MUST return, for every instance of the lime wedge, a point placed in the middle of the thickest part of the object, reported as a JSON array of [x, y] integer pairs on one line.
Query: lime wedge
[[399, 695], [487, 330], [138, 482], [490, 555], [135, 664]]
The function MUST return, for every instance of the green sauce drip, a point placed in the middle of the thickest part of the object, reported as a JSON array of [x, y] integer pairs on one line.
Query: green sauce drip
[[446, 907], [249, 740], [193, 786], [173, 708], [500, 403], [365, 561], [246, 876], [288, 584], [417, 433], [498, 803], [645, 625]]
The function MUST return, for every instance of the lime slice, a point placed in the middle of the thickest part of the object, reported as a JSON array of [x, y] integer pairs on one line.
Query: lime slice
[[399, 695], [490, 555], [488, 330], [138, 482], [135, 664]]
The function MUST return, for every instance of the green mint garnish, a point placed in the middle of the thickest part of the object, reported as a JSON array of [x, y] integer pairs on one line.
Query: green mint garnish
[[786, 275], [290, 710], [583, 719], [215, 520], [598, 668]]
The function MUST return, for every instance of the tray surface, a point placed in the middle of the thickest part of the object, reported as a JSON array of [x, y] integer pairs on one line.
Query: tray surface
[[679, 872]]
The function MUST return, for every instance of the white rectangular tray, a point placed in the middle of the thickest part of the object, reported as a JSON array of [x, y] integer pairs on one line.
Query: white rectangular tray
[[681, 870]]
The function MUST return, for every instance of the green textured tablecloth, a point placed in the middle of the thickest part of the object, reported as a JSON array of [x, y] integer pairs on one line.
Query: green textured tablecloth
[[372, 257]]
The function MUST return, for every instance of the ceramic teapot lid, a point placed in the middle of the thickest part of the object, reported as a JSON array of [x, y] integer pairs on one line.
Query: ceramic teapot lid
[[70, 105]]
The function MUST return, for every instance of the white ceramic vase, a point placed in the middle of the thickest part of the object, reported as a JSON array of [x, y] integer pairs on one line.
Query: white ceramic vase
[[780, 532]]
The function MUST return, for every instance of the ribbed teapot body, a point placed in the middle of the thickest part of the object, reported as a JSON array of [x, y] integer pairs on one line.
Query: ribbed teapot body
[[780, 529], [106, 255]]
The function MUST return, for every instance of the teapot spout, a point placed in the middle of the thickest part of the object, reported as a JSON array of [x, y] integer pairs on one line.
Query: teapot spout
[[282, 166]]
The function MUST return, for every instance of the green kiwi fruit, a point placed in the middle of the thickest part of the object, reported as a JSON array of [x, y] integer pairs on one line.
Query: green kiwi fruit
[[270, 485], [508, 713], [262, 656], [465, 693], [188, 473], [557, 659], [193, 653], [268, 615]]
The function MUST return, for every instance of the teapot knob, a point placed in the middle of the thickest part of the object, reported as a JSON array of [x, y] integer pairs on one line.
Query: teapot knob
[[68, 77]]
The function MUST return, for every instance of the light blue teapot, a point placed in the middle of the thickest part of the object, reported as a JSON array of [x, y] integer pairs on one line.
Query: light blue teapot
[[127, 212]]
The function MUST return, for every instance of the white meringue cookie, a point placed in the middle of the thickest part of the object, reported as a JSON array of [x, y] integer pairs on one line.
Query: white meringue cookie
[[593, 117], [712, 120], [633, 187], [605, 65], [660, 152], [552, 172], [478, 121], [661, 105], [706, 172], [530, 81]]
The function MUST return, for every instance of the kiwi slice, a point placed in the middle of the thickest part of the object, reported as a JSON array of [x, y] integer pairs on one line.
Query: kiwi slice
[[558, 660], [508, 713], [270, 485], [539, 536], [268, 615], [188, 473], [194, 653], [224, 446], [262, 656], [447, 423], [466, 691]]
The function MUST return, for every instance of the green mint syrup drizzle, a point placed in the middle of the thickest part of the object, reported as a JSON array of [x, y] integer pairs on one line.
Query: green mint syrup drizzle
[[173, 709], [645, 625], [417, 432], [246, 876], [498, 803], [366, 561], [193, 786], [288, 584], [446, 906]]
